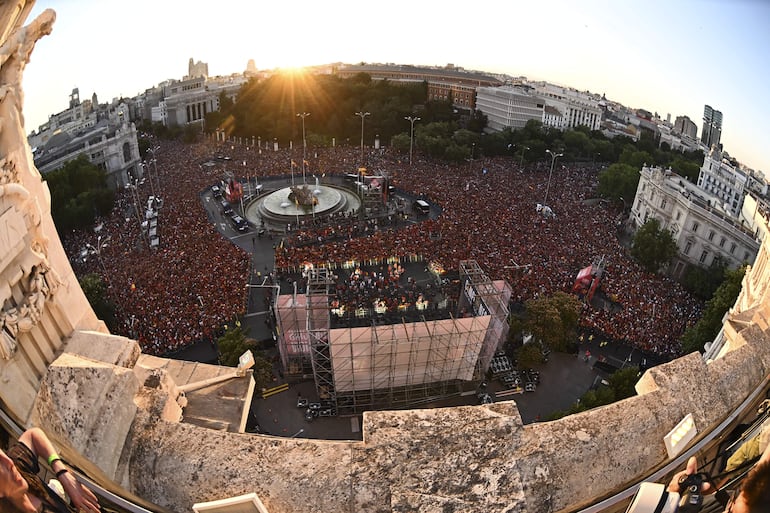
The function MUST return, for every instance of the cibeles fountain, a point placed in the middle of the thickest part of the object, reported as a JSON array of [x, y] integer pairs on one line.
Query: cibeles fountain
[[299, 201], [126, 420]]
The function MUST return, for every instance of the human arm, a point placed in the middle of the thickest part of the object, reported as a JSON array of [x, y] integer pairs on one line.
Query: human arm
[[692, 468], [37, 441]]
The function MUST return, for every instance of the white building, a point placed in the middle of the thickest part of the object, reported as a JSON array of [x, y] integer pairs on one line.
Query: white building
[[578, 108], [508, 106], [188, 101], [726, 183], [702, 231]]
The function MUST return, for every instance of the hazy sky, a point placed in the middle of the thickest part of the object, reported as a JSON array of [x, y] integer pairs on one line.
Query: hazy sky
[[661, 55]]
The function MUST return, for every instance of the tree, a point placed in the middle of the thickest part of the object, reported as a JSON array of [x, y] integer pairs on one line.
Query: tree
[[79, 193], [703, 282], [653, 246], [553, 320], [619, 181], [529, 355], [96, 293], [707, 328], [232, 345]]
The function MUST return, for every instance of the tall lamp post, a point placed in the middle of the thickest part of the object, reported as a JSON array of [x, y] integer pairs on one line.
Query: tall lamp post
[[101, 243], [303, 115], [554, 156], [523, 149], [362, 115], [411, 120], [154, 162]]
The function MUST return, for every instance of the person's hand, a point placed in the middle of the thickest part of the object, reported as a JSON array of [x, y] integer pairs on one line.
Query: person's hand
[[692, 468], [83, 498]]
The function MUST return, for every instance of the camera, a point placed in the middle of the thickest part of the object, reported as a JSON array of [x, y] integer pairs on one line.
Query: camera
[[654, 498], [691, 498]]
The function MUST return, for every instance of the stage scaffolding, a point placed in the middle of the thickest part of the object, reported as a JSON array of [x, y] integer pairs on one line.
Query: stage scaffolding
[[481, 296], [398, 365]]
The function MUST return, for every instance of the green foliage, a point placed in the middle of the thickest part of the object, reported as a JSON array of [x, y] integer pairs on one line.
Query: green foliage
[[686, 168], [96, 293], [401, 142], [529, 355], [553, 319], [79, 193], [232, 345], [704, 282], [263, 372], [621, 385], [635, 158], [707, 328], [653, 247], [619, 181]]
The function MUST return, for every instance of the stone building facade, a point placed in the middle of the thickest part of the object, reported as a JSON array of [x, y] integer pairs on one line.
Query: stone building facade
[[703, 232]]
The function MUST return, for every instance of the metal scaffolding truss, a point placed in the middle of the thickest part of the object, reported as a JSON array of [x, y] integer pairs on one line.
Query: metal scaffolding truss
[[317, 315], [482, 296], [396, 365], [404, 364]]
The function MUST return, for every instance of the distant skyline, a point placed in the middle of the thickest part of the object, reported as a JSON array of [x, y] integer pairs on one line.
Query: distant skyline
[[665, 57]]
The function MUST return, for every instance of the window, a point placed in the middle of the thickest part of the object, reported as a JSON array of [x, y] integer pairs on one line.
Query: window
[[722, 242], [663, 203], [732, 248], [745, 256], [687, 248], [678, 215], [703, 257], [711, 235], [695, 226]]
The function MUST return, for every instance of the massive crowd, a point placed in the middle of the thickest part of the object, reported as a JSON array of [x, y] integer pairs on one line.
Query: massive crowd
[[194, 283]]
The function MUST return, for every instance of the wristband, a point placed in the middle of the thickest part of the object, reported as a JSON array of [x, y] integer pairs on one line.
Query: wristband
[[52, 458], [62, 471]]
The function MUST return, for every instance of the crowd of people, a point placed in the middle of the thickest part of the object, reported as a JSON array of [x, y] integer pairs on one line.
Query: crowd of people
[[194, 282], [489, 214], [187, 288]]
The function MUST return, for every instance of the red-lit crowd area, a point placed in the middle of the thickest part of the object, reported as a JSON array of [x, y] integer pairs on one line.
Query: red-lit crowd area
[[490, 215], [194, 282]]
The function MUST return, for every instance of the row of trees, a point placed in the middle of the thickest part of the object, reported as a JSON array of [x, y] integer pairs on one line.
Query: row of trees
[[268, 109]]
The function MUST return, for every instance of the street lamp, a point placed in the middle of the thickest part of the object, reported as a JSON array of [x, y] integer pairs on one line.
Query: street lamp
[[101, 243], [554, 156], [411, 120], [303, 115], [155, 168], [362, 115], [523, 149]]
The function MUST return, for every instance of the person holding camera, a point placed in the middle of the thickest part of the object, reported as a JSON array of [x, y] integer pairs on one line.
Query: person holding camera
[[751, 496], [22, 489]]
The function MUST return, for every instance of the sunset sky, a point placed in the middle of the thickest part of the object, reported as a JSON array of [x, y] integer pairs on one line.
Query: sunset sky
[[663, 56]]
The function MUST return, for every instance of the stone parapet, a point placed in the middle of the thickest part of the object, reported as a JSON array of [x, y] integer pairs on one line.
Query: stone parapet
[[88, 408]]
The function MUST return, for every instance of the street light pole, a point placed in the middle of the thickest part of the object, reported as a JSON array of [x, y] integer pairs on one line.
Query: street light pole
[[523, 149], [411, 120], [554, 156], [303, 115], [362, 115]]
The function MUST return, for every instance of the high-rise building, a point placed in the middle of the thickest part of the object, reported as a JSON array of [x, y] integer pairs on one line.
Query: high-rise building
[[712, 126], [685, 126]]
